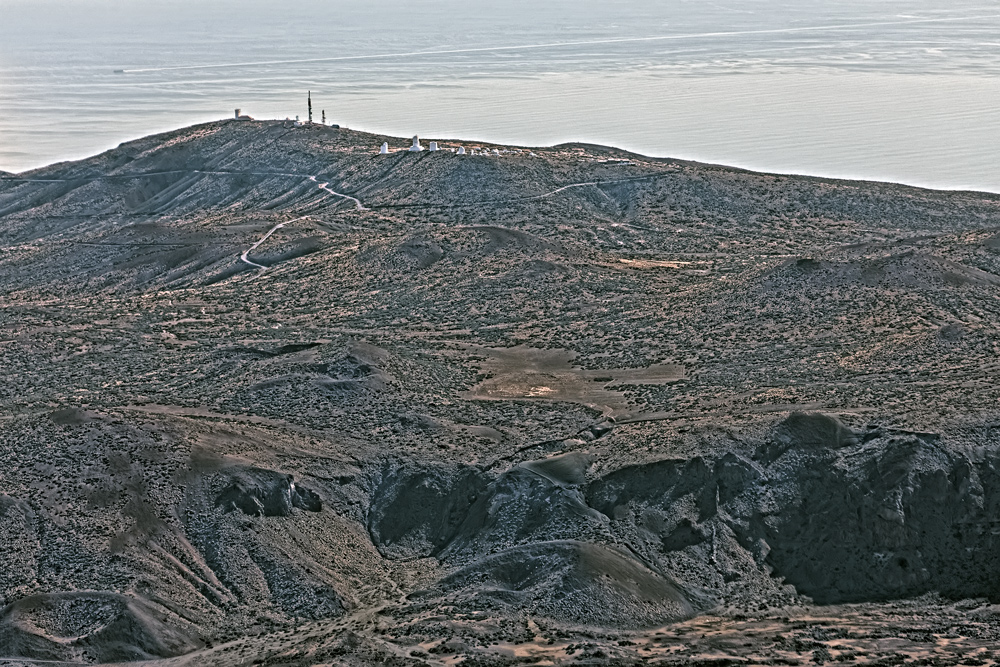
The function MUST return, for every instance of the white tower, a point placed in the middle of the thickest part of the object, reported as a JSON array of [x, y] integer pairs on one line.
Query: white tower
[[433, 146], [385, 149], [416, 147], [461, 150]]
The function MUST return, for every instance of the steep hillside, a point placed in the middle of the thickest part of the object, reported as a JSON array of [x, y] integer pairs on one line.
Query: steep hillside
[[273, 396]]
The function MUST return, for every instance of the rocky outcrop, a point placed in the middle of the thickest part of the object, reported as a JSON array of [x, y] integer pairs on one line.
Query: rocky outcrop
[[416, 510], [840, 516], [258, 492]]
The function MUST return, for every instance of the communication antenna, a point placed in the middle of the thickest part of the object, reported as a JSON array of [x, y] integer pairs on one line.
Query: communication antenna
[[324, 116], [310, 99]]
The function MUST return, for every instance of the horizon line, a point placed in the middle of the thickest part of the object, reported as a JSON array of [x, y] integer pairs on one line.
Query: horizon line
[[551, 45]]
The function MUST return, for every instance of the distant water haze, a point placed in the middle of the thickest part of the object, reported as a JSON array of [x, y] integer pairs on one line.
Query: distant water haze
[[900, 90]]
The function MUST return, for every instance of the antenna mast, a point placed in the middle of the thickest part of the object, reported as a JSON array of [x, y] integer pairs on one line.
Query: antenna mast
[[310, 98]]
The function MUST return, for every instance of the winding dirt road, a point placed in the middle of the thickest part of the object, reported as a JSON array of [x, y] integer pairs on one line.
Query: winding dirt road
[[264, 238], [322, 186]]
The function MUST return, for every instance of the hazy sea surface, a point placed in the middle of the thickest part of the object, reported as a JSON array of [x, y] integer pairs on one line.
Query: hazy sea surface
[[901, 90]]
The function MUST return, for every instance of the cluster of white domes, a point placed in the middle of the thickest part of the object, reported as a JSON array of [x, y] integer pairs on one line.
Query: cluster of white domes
[[433, 146]]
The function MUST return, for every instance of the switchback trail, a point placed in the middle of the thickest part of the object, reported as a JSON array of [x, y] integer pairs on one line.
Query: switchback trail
[[264, 238], [322, 186]]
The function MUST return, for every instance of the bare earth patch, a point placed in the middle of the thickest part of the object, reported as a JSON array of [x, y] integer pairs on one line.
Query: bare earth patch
[[524, 372]]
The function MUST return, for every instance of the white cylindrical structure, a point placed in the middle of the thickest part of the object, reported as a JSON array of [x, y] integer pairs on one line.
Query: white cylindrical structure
[[416, 145], [433, 146], [385, 149], [461, 150]]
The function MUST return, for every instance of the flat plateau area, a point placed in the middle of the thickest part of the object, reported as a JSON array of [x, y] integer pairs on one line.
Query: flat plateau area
[[272, 398]]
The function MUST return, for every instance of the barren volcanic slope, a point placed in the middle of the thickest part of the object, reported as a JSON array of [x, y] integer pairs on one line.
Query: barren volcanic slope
[[272, 398]]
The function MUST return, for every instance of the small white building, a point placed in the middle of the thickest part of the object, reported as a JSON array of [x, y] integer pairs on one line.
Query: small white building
[[416, 147], [385, 148], [433, 146], [461, 150]]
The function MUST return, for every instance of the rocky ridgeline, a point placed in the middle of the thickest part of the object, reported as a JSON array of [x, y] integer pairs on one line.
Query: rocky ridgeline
[[816, 510]]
